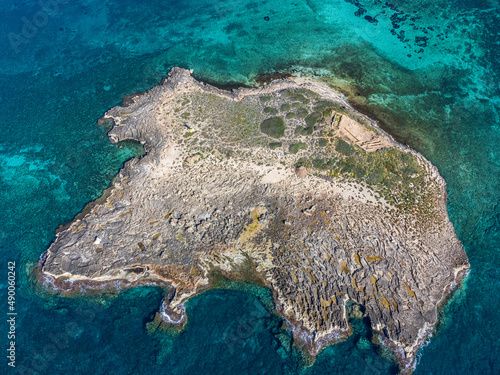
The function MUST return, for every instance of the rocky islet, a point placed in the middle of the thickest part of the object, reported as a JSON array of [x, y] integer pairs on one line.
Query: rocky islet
[[323, 206]]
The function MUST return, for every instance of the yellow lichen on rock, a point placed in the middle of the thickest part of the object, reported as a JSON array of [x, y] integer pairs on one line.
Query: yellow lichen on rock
[[410, 292], [343, 267], [384, 302], [373, 281], [357, 260], [251, 230]]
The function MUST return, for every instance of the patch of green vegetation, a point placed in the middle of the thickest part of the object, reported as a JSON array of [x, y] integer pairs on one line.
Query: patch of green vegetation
[[271, 111], [359, 171], [297, 97], [265, 99], [303, 162], [319, 163], [312, 119], [230, 121], [300, 130], [331, 164], [273, 127], [394, 174], [296, 147], [346, 165], [186, 115], [302, 112], [324, 106], [285, 107], [344, 148], [310, 94]]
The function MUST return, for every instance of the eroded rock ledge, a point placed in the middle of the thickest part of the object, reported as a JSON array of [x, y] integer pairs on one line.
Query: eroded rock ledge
[[287, 178]]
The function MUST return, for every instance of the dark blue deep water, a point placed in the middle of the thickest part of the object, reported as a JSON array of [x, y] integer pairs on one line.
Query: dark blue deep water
[[429, 70]]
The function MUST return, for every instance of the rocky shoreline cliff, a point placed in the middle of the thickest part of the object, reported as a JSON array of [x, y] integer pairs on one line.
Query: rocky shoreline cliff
[[287, 181]]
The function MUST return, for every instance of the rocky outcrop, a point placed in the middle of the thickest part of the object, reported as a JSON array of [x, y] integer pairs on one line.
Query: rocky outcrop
[[286, 178]]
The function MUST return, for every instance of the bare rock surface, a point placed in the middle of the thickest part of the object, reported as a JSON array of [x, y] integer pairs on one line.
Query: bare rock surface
[[287, 179]]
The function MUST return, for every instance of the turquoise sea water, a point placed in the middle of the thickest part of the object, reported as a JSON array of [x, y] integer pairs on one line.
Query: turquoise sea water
[[429, 70]]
